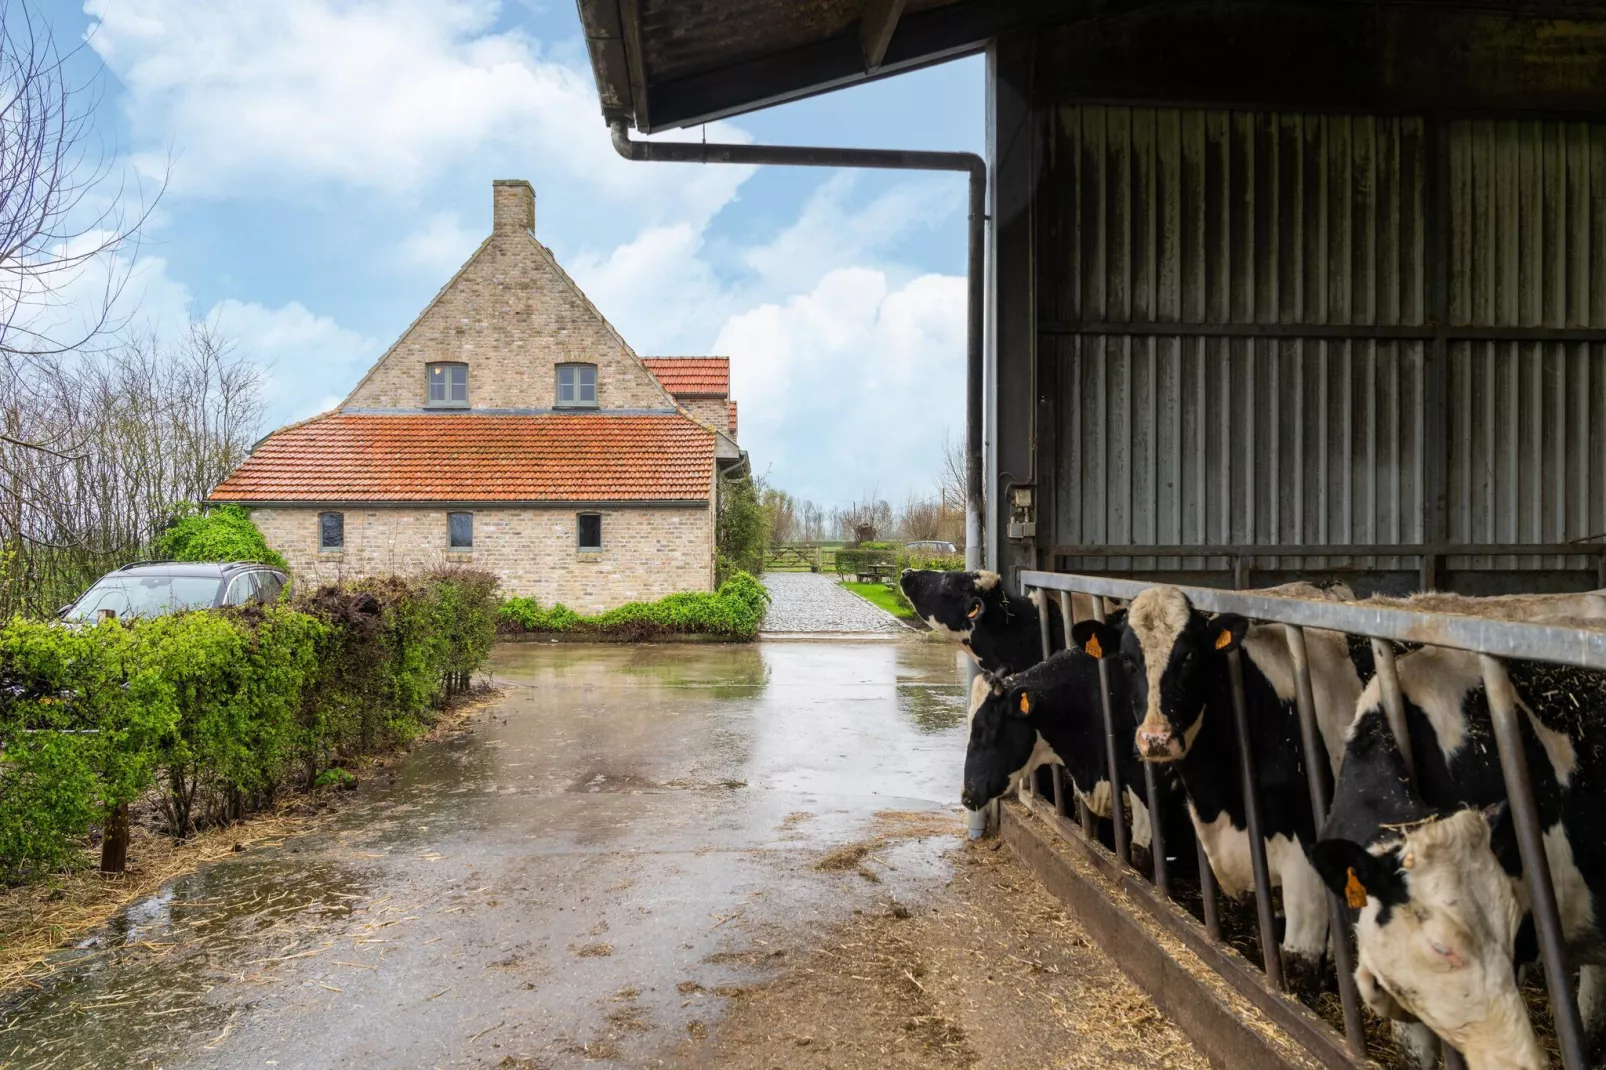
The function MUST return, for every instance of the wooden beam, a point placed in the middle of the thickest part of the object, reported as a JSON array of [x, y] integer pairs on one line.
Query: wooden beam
[[876, 28]]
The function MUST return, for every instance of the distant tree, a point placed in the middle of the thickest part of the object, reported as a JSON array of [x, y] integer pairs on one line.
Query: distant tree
[[920, 518], [780, 513]]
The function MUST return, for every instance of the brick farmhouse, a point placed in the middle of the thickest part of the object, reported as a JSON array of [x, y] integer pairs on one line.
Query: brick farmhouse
[[511, 429]]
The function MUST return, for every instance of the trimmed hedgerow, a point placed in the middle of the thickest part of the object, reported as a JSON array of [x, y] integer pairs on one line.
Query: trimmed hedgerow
[[735, 612], [211, 713]]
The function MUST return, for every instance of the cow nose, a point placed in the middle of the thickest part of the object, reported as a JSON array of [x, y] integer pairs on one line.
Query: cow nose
[[968, 799], [1154, 740]]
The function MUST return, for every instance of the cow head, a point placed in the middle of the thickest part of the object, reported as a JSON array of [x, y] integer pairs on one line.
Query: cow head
[[1438, 920], [1169, 651], [953, 602], [1002, 739]]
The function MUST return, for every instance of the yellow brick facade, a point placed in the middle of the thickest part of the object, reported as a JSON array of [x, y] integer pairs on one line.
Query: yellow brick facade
[[646, 552]]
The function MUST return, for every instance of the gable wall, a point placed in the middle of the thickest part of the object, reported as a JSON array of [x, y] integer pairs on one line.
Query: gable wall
[[511, 314]]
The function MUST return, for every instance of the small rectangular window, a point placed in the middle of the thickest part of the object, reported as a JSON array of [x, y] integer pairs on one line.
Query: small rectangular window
[[331, 531], [448, 384], [577, 385], [460, 531], [590, 531]]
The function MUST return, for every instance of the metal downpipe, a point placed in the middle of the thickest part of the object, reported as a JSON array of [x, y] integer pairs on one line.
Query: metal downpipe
[[887, 160]]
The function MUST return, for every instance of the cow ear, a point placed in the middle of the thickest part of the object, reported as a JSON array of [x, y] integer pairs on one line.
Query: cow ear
[[995, 681], [1348, 869], [1227, 631], [977, 607], [1095, 638], [1503, 837], [1022, 701]]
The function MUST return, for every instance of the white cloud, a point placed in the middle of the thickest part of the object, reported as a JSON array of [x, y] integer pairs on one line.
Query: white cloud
[[851, 387], [441, 245], [311, 361], [375, 94]]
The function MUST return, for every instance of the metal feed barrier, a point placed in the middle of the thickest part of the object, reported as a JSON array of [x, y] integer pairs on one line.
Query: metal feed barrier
[[1494, 641]]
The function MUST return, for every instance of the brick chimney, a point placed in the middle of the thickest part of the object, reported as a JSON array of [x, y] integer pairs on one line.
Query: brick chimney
[[512, 206]]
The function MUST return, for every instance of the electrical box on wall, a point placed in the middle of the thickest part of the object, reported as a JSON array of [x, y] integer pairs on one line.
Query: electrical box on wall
[[1022, 513]]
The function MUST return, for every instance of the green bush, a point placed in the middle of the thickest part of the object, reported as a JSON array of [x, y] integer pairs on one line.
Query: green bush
[[219, 708], [220, 533], [735, 611]]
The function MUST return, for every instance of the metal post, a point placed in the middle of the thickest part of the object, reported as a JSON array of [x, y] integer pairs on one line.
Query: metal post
[[1085, 818], [1067, 617], [1388, 677], [1043, 629], [1257, 845], [1319, 776], [1207, 892], [1535, 864], [1059, 788], [1123, 849]]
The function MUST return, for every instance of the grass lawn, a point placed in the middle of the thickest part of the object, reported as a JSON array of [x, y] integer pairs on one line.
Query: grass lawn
[[880, 595]]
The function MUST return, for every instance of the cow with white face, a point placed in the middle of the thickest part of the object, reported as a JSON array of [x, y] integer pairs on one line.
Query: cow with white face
[[998, 630], [1428, 863], [1176, 662]]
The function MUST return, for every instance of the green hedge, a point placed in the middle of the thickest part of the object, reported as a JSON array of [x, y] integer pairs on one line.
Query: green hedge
[[220, 533], [219, 709], [735, 611]]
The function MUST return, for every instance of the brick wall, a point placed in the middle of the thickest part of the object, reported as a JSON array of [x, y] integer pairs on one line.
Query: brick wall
[[512, 315], [646, 554], [715, 412]]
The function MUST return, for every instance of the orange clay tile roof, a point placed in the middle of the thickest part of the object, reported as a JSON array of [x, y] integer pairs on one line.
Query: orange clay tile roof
[[733, 419], [692, 376], [469, 457]]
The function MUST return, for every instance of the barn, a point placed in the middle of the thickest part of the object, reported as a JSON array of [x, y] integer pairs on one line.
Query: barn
[[1274, 288]]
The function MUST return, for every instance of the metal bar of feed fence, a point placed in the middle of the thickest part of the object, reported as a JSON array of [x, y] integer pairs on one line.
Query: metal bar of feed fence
[[1319, 778], [1264, 909], [1112, 741]]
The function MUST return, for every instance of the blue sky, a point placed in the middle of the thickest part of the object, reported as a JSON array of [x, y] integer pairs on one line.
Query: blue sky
[[329, 167]]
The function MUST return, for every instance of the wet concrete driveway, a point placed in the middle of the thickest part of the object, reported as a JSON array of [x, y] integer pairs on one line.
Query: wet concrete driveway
[[571, 880]]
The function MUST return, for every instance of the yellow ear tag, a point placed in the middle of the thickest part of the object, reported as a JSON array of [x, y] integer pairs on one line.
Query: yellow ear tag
[[1093, 648], [975, 611], [1354, 891], [1224, 640], [1025, 703]]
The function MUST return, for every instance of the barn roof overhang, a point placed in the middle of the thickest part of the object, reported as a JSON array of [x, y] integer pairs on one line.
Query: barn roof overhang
[[661, 64]]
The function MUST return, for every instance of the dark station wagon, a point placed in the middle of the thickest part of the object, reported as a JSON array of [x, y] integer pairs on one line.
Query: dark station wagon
[[156, 588]]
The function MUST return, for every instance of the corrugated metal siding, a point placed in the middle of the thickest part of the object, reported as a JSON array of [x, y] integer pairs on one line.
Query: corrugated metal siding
[[1160, 215], [1241, 428], [1194, 216], [1527, 427]]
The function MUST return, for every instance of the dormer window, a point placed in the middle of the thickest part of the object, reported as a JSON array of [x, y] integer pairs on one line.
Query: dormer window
[[448, 386], [577, 386]]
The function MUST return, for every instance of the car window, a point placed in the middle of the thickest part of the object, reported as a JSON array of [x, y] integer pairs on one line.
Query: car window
[[145, 596], [242, 589], [269, 585]]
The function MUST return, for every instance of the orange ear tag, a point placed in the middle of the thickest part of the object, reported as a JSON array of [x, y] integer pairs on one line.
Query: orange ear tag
[[1354, 891], [1025, 702], [1224, 640], [975, 611], [1093, 648]]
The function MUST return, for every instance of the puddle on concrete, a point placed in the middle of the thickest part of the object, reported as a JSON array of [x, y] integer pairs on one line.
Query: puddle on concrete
[[626, 819], [169, 971]]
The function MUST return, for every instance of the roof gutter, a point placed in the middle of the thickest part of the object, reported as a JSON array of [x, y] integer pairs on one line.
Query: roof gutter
[[887, 160]]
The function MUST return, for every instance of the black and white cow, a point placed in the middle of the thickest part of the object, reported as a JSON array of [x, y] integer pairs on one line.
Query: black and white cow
[[1047, 712], [999, 630], [1429, 865], [1175, 658]]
